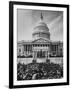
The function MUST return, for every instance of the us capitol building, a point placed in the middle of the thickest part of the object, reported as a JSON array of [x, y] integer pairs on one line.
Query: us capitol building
[[41, 46]]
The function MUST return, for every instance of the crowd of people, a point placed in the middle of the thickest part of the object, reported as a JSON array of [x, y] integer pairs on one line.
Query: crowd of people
[[34, 71]]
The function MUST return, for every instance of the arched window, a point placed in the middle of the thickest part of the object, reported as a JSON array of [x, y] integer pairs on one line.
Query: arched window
[[19, 50]]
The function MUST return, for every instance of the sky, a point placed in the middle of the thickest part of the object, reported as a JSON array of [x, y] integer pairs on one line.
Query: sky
[[28, 19]]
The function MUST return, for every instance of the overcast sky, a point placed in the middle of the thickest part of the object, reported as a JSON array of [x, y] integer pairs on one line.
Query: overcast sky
[[27, 19]]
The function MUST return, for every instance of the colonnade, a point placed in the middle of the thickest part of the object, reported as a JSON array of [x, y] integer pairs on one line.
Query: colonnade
[[36, 51]]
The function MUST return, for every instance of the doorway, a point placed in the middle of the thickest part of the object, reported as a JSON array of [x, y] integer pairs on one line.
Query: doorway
[[41, 54]]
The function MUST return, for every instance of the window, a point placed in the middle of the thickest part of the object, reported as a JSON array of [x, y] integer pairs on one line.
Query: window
[[19, 50]]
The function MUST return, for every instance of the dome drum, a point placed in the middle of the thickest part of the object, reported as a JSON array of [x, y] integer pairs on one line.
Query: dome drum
[[41, 35]]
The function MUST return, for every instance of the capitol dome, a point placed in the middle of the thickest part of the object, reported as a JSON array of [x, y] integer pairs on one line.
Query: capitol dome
[[41, 30]]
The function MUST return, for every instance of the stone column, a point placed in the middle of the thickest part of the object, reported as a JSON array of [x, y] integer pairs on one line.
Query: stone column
[[27, 49], [34, 57], [23, 49], [46, 54], [33, 54]]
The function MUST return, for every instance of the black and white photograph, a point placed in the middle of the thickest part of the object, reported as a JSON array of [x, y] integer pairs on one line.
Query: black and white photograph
[[39, 44]]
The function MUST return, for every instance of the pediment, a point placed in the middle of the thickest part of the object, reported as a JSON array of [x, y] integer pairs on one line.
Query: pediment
[[41, 40]]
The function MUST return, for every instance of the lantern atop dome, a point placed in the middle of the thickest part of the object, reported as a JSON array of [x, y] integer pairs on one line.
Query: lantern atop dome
[[41, 16]]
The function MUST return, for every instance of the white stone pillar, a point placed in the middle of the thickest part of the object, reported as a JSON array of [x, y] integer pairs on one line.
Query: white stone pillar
[[36, 55], [23, 49], [27, 49], [33, 54], [46, 54]]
